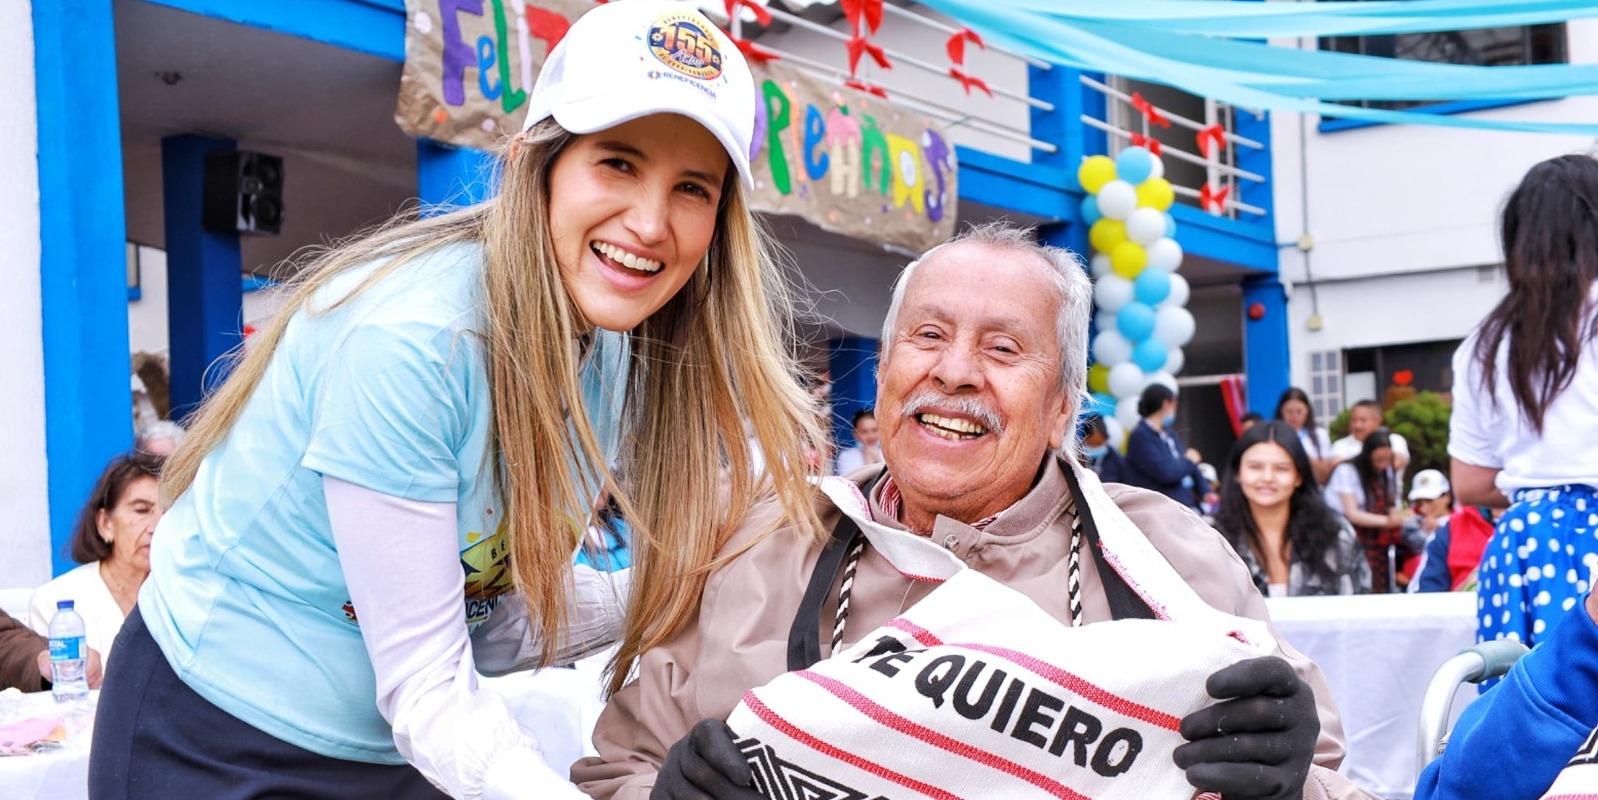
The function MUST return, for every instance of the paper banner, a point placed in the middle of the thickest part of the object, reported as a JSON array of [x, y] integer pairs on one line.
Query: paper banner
[[469, 65], [851, 162]]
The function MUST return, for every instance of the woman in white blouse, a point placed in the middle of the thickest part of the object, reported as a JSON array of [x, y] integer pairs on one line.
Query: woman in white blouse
[[112, 543]]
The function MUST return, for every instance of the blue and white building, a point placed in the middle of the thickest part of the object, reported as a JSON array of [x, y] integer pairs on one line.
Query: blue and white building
[[112, 105]]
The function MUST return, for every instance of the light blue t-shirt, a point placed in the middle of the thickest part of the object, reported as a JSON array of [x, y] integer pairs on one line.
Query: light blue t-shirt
[[388, 391]]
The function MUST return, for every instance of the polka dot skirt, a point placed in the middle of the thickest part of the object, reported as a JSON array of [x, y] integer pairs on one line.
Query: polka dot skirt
[[1539, 563]]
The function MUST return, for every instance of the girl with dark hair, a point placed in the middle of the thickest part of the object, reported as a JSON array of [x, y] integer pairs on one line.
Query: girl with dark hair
[[112, 542], [1273, 514], [1295, 409], [1364, 489], [1155, 458], [1525, 390]]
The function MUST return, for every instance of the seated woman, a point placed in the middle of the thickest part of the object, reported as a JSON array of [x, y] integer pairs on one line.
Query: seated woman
[[112, 542], [1364, 490], [1272, 513]]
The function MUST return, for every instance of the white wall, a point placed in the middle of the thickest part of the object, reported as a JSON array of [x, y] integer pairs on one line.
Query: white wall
[[1401, 217], [24, 499]]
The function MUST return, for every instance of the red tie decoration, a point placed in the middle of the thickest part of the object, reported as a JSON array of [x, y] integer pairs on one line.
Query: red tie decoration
[[753, 52], [869, 88], [1148, 111], [865, 17], [1212, 136], [956, 49], [1213, 200], [1153, 144]]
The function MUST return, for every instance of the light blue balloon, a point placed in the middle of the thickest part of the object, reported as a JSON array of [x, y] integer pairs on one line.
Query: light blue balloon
[[1090, 210], [1101, 404], [1149, 355], [1170, 226], [1134, 165], [1135, 321], [1152, 286]]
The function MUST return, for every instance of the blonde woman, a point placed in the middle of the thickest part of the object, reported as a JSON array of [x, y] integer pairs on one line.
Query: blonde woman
[[444, 397]]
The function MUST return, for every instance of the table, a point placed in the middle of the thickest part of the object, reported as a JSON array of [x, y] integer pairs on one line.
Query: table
[[58, 775], [1378, 653], [558, 706]]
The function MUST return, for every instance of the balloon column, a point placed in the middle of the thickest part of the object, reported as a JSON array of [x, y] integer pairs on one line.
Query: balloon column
[[1140, 299]]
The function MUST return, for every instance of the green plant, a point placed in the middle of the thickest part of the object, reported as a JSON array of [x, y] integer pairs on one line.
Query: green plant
[[1423, 421], [1338, 427]]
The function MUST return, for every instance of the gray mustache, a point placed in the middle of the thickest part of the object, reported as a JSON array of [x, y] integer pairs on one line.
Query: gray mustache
[[967, 406]]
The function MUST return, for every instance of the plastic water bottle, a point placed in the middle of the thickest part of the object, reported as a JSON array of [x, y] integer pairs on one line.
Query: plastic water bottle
[[69, 655]]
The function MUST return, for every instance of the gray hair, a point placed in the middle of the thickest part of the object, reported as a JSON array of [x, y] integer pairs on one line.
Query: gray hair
[[1068, 273]]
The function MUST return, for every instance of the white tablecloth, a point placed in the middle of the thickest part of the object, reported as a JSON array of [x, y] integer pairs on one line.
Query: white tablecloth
[[558, 706], [58, 775], [1378, 653]]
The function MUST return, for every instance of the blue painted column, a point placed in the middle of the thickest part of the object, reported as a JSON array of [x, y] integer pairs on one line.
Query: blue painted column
[[852, 361], [448, 177], [1266, 357], [205, 296], [83, 259]]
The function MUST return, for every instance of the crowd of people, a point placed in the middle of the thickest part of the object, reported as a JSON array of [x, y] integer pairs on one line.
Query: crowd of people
[[298, 599]]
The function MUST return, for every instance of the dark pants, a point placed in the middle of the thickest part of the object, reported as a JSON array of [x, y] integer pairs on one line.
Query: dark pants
[[155, 739]]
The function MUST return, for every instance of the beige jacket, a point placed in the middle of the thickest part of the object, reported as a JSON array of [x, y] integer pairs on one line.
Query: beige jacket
[[739, 638]]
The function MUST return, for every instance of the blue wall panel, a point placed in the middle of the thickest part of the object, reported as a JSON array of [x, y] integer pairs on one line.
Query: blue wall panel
[[83, 260]]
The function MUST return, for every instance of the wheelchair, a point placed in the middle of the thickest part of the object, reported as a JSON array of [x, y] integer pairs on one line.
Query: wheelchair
[[1482, 662]]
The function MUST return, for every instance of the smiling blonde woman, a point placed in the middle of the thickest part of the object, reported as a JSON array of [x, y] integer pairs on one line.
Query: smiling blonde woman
[[386, 496]]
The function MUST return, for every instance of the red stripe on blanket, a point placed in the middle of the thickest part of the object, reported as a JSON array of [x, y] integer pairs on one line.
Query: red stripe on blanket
[[905, 726], [1081, 688], [788, 729], [917, 632]]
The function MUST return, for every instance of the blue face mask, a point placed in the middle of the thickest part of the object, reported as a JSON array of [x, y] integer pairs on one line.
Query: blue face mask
[[1096, 453], [1169, 420]]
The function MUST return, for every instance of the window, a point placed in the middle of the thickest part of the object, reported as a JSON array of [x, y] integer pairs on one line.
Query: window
[[1483, 47], [1326, 384]]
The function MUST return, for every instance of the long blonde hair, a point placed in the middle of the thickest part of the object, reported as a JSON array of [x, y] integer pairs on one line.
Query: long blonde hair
[[716, 353]]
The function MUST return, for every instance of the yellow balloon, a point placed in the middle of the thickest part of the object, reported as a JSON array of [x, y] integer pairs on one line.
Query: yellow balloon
[[1155, 193], [1099, 379], [1128, 259], [1106, 234], [1095, 172]]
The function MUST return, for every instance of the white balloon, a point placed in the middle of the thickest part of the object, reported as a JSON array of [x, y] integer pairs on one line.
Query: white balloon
[[1117, 199], [1126, 412], [1145, 225], [1179, 292], [1111, 348], [1162, 377], [1117, 433], [1126, 380], [1174, 326], [1112, 292], [1164, 254], [1105, 320], [1100, 266], [1159, 169], [1175, 359]]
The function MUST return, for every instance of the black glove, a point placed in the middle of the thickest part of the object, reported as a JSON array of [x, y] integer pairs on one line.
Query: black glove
[[1259, 741], [705, 765]]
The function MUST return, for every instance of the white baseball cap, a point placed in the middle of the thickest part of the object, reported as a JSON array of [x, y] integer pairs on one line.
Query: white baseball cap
[[1429, 485], [632, 58]]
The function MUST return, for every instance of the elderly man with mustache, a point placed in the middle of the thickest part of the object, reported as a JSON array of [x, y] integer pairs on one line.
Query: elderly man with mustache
[[983, 366]]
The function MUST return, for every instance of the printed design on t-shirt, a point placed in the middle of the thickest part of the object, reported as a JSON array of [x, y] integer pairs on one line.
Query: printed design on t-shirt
[[486, 562], [774, 777]]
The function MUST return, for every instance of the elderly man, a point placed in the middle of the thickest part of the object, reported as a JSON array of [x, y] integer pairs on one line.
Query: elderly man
[[983, 365]]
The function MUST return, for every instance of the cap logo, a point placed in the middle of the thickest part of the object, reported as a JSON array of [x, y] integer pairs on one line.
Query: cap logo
[[687, 43]]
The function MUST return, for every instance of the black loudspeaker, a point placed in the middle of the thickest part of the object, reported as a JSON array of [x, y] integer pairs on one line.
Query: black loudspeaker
[[243, 192]]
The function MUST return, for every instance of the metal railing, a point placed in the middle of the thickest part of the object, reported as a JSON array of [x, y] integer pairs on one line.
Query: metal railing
[[1221, 172]]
